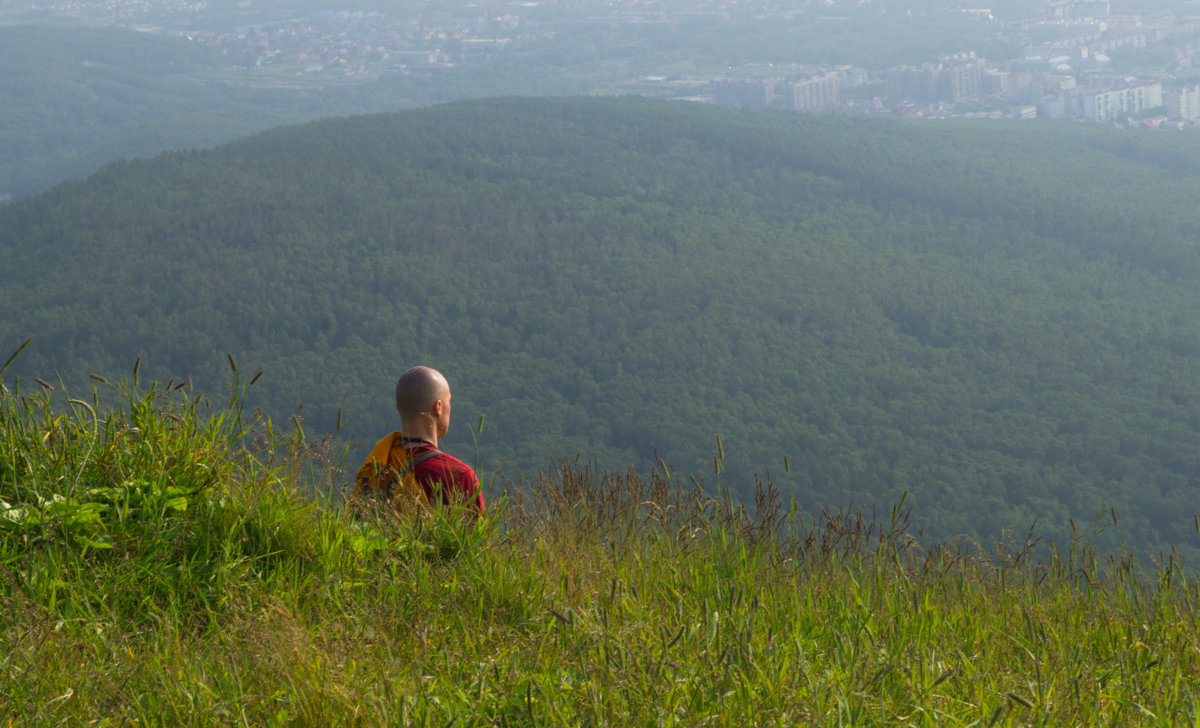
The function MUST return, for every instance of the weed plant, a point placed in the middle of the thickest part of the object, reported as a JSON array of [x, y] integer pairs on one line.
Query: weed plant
[[164, 562]]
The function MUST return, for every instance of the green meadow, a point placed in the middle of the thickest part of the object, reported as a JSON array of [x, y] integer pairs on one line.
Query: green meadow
[[173, 559]]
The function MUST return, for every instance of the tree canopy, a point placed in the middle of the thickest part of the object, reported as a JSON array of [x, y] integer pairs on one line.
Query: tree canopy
[[998, 319]]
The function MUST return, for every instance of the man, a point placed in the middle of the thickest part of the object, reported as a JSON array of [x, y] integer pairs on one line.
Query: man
[[423, 401]]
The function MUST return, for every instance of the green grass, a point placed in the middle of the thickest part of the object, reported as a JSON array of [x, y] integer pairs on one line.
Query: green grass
[[163, 561]]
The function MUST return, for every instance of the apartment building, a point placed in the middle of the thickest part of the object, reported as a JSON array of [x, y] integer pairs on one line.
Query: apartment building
[[1183, 103], [815, 94], [1106, 106]]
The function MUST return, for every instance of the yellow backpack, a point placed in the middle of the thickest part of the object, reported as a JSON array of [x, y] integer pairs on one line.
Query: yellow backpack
[[388, 475]]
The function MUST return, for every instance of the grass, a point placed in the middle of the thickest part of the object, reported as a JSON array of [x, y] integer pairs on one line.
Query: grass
[[164, 562]]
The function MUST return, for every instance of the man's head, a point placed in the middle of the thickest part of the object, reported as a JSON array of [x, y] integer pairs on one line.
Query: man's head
[[423, 394]]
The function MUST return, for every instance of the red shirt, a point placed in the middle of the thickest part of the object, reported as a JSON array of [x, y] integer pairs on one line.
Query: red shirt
[[453, 478]]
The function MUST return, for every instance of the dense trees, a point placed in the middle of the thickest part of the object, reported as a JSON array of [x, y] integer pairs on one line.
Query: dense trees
[[72, 99], [998, 319]]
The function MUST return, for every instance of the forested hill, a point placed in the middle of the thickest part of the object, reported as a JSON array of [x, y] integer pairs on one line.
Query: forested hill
[[1000, 319], [72, 100]]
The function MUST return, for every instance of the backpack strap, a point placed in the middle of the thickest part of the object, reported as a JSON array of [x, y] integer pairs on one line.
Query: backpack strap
[[409, 467], [414, 462]]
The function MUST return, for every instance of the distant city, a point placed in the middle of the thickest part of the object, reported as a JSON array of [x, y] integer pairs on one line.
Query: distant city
[[1071, 76]]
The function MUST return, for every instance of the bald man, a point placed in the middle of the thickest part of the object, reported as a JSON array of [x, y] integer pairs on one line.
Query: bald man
[[423, 401]]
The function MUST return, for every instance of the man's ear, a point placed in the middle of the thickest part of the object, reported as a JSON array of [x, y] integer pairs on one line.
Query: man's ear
[[438, 405]]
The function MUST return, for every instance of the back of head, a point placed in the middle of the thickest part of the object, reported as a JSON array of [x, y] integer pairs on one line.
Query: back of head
[[417, 390]]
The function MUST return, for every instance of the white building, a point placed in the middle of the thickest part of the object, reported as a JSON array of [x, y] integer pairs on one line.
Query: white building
[[1106, 106], [815, 94], [1183, 104]]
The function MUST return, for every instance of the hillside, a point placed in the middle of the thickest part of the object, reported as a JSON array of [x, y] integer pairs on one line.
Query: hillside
[[156, 572], [996, 318], [72, 100]]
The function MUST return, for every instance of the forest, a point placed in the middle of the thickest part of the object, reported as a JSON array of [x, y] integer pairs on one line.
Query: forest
[[75, 98], [72, 100], [996, 319]]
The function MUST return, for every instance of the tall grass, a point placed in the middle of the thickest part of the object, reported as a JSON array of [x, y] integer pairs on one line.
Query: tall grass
[[163, 562]]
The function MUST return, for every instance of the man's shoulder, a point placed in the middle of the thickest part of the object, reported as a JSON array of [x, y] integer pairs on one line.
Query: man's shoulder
[[446, 460], [449, 471]]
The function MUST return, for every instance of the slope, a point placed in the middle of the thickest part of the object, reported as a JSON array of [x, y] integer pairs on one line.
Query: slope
[[977, 315]]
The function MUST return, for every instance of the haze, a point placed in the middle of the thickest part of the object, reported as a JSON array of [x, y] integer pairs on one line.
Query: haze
[[145, 77]]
